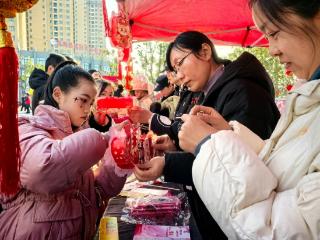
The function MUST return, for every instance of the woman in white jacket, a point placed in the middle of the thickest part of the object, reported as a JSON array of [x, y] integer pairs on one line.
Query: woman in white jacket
[[270, 189]]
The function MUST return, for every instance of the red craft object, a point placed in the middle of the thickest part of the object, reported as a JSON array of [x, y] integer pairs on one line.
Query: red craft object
[[135, 148], [114, 102], [120, 155]]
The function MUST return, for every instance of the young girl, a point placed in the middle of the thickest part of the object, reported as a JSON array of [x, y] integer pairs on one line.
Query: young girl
[[59, 195], [270, 189]]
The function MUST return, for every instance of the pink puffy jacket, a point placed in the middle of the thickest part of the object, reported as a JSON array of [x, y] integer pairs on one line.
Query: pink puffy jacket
[[60, 194]]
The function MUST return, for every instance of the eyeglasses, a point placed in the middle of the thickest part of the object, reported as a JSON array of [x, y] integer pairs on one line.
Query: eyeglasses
[[83, 102], [179, 64]]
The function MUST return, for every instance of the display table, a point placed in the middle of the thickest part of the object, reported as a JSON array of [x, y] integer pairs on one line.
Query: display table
[[126, 230]]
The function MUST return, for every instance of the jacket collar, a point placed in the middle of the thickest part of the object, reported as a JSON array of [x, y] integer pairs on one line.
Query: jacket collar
[[48, 117], [307, 89], [316, 74]]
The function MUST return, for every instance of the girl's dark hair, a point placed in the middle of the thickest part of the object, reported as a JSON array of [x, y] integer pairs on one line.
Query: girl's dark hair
[[66, 76], [277, 12], [192, 40], [102, 85]]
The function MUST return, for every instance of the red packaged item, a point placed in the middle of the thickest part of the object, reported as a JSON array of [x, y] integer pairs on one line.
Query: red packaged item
[[131, 147], [115, 107]]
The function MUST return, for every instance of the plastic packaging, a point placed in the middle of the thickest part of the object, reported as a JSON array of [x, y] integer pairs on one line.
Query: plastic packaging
[[170, 210]]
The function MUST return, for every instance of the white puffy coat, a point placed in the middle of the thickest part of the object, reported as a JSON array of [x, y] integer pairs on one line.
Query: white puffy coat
[[266, 190]]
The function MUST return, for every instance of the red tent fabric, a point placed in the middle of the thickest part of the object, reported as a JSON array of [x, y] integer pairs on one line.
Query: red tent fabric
[[226, 22]]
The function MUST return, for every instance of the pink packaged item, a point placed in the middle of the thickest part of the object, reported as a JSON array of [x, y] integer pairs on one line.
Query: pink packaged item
[[156, 232]]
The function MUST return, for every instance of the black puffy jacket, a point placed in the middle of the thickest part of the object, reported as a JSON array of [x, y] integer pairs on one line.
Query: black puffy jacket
[[37, 81]]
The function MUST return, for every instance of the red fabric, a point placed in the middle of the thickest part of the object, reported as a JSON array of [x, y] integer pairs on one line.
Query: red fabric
[[114, 102], [225, 22], [111, 78], [9, 138], [28, 101]]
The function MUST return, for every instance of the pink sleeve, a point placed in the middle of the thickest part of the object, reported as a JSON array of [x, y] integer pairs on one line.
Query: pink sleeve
[[110, 179], [107, 181], [50, 165]]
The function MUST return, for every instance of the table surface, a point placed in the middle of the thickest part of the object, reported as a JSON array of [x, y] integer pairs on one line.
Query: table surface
[[114, 209]]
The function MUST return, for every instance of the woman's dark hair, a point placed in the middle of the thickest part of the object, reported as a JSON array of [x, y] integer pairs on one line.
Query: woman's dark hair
[[277, 12], [192, 40], [102, 85], [66, 76]]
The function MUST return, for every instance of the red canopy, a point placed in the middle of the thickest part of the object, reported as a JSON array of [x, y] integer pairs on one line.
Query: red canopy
[[226, 22]]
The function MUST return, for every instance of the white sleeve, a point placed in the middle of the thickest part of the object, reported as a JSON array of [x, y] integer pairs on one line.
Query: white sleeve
[[239, 191], [249, 137]]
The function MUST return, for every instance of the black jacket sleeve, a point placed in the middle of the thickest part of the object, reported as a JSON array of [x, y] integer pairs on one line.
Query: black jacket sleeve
[[251, 106], [178, 167], [97, 126]]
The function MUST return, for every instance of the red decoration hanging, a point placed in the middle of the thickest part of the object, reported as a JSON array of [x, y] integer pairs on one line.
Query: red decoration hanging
[[105, 17], [120, 30], [129, 76], [9, 138]]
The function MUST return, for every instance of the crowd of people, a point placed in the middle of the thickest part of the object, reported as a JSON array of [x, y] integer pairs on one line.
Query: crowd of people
[[249, 171]]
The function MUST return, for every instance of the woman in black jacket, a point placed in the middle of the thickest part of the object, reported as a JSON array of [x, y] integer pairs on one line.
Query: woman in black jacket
[[240, 90]]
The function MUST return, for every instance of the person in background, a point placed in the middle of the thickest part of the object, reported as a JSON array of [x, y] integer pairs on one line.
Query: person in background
[[23, 103], [101, 122], [60, 195], [27, 103], [169, 101], [140, 88], [38, 78], [270, 189], [105, 88], [118, 92], [95, 74], [163, 86]]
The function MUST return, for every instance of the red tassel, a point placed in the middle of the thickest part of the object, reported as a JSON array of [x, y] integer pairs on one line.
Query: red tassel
[[9, 138]]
